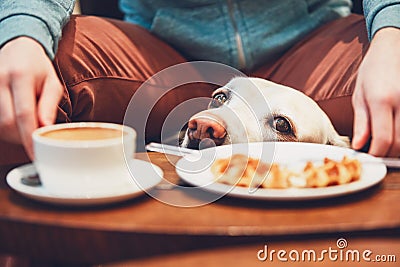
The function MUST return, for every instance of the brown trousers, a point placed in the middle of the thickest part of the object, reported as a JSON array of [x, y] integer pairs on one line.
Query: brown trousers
[[102, 62]]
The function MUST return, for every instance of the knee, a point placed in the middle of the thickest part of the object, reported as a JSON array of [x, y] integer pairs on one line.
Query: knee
[[77, 56]]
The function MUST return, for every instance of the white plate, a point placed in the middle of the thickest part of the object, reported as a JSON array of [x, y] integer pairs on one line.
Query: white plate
[[195, 170], [149, 175]]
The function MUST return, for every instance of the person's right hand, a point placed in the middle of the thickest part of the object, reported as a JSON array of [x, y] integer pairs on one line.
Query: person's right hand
[[29, 91]]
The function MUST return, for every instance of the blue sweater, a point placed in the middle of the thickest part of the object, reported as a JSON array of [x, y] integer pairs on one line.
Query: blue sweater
[[240, 33]]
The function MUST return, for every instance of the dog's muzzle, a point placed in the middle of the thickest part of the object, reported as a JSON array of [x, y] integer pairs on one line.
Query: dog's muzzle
[[205, 132]]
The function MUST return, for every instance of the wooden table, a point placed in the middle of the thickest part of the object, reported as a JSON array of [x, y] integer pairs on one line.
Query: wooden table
[[146, 232]]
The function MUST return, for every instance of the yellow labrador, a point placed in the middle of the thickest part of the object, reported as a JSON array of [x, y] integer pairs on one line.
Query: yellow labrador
[[255, 110]]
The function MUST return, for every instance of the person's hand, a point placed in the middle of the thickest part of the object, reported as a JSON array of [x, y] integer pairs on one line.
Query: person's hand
[[376, 99], [29, 91]]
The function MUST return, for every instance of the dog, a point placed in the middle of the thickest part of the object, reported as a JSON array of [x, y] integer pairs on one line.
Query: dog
[[257, 110]]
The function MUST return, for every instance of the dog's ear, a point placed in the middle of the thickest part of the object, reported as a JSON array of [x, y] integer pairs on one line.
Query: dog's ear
[[339, 140]]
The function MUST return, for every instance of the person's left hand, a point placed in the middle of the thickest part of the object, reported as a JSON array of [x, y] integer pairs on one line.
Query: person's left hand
[[376, 99], [29, 91]]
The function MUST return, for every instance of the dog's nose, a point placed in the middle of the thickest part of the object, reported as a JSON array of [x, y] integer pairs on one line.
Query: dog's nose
[[201, 128]]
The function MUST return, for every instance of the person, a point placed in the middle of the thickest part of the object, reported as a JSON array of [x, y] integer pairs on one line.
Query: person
[[55, 67]]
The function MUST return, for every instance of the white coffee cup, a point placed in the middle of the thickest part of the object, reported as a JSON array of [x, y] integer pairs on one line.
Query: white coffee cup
[[84, 159]]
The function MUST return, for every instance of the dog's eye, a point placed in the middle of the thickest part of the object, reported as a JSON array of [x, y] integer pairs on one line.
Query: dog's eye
[[282, 125], [220, 98]]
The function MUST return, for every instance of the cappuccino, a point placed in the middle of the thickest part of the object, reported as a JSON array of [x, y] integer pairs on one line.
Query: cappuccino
[[84, 159], [83, 133]]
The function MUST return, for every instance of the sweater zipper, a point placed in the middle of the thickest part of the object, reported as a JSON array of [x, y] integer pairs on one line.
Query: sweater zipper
[[238, 38]]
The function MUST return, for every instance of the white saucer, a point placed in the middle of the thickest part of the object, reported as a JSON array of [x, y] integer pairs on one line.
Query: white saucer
[[147, 174]]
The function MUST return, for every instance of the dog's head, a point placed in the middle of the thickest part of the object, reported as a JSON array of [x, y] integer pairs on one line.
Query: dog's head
[[255, 110]]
